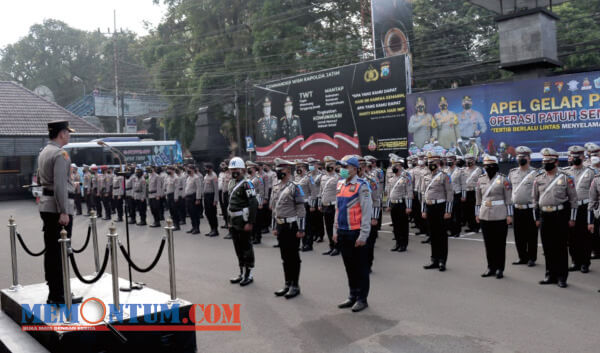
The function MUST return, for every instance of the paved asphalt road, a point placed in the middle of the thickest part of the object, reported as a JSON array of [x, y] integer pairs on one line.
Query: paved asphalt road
[[411, 310]]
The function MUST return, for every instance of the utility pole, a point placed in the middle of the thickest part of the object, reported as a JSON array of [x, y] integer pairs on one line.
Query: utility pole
[[237, 122], [116, 71]]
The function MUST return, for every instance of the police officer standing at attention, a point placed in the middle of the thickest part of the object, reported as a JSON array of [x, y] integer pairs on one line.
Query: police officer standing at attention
[[130, 196], [494, 212], [172, 194], [76, 187], [305, 181], [242, 209], [555, 201], [56, 204], [580, 240], [87, 189], [316, 216], [399, 203], [327, 201], [353, 225], [457, 177], [437, 207], [155, 189], [140, 195], [211, 188], [525, 230], [193, 198], [289, 212], [257, 181], [375, 202], [594, 201], [117, 194], [472, 174]]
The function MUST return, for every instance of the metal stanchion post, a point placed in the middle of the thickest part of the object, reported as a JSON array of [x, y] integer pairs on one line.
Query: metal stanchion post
[[93, 219], [171, 245], [12, 227], [114, 265], [66, 276]]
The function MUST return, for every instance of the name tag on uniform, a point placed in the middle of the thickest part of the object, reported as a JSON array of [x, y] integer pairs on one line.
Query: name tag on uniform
[[559, 182], [353, 188]]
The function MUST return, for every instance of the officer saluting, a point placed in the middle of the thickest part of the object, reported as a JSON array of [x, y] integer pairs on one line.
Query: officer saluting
[[555, 202], [353, 226], [494, 211], [56, 204], [287, 203], [437, 206]]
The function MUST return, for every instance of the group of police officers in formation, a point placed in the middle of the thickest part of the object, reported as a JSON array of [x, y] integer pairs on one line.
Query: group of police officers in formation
[[304, 200]]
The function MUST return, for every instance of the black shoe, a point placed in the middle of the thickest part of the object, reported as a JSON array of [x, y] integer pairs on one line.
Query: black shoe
[[395, 248], [182, 223], [335, 252], [348, 303], [283, 291], [306, 248], [359, 306], [119, 220], [132, 221], [78, 214], [319, 240], [402, 249], [431, 266], [426, 241], [548, 280], [190, 231], [520, 262], [530, 263], [256, 241], [328, 252], [176, 228], [247, 277], [499, 274], [595, 255], [195, 231], [487, 273], [292, 292], [224, 227], [442, 267], [141, 224], [228, 236], [562, 283], [574, 268], [106, 218], [276, 245], [155, 225], [585, 269], [239, 277], [265, 231]]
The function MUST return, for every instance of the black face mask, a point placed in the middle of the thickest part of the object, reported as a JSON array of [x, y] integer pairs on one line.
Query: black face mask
[[522, 161], [470, 164], [139, 174], [298, 171], [491, 170], [577, 161], [329, 169], [450, 164], [443, 106], [432, 167], [420, 109], [394, 170], [235, 175], [468, 106], [460, 164], [549, 166], [280, 175], [249, 171]]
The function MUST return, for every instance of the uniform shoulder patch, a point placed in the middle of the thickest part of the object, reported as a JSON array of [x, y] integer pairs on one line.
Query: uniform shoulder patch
[[65, 154], [571, 181], [507, 184], [248, 185], [298, 189]]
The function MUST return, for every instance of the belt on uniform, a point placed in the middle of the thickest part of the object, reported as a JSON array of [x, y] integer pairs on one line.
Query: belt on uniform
[[236, 213], [552, 208], [470, 189], [583, 202], [152, 191], [434, 202], [286, 220], [458, 193], [490, 203], [47, 192], [523, 207], [396, 202], [129, 188], [327, 204]]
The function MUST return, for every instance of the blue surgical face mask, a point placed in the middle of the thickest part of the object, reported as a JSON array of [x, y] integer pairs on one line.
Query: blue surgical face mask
[[311, 167], [344, 173]]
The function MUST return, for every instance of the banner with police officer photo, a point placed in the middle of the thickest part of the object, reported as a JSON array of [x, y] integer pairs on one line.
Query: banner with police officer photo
[[354, 109], [556, 112]]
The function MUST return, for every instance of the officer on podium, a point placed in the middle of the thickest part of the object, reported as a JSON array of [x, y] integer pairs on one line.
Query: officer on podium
[[56, 204]]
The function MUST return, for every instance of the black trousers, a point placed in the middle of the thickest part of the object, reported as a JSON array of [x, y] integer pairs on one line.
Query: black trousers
[[171, 206], [371, 244], [288, 247], [416, 213], [210, 210], [155, 209], [161, 208], [317, 224], [98, 204], [526, 234], [52, 257], [439, 239], [118, 205], [400, 223], [455, 223], [224, 202], [329, 218], [242, 243], [494, 239], [107, 202], [87, 196], [580, 239], [356, 262], [596, 237], [180, 204], [308, 234], [77, 200], [193, 211], [554, 231], [141, 207], [469, 210], [260, 223], [131, 207]]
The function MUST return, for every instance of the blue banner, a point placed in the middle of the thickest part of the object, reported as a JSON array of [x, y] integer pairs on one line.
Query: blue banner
[[557, 112]]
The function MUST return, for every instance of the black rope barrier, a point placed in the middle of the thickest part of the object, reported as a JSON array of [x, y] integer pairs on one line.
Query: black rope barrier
[[98, 275], [27, 249], [87, 241], [149, 268]]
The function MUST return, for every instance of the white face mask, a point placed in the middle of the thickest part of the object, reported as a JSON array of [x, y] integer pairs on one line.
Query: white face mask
[[267, 111], [421, 162], [288, 110]]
